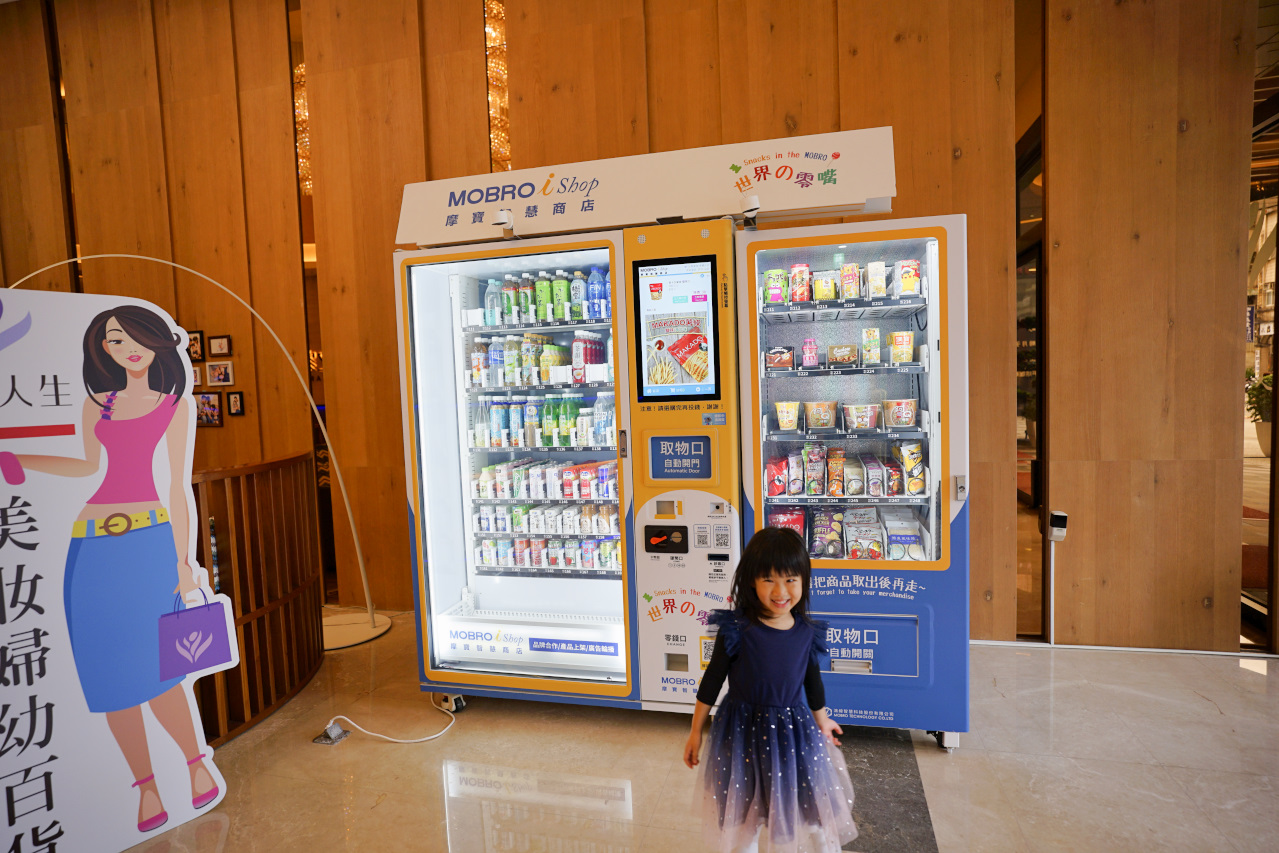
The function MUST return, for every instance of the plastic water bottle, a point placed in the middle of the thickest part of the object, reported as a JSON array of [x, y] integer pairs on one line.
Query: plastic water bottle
[[595, 297], [493, 304], [602, 419], [497, 360], [608, 296]]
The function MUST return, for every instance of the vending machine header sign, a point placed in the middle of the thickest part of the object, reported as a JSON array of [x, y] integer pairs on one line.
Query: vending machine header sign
[[842, 173]]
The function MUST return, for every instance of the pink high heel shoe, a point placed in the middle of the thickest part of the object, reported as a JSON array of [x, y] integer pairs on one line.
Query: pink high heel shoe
[[155, 821], [202, 800]]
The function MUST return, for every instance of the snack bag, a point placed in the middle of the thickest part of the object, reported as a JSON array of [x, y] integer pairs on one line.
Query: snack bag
[[910, 454], [690, 351], [864, 541], [826, 540], [835, 472], [894, 480], [862, 515], [795, 473], [775, 476], [906, 544], [792, 519], [814, 469], [854, 478], [874, 475]]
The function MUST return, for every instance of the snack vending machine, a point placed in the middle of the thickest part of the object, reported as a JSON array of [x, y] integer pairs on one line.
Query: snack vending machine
[[517, 487], [855, 435]]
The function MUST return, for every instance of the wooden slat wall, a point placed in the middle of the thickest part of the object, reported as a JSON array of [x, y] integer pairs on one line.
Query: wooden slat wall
[[33, 215], [457, 118], [115, 144], [197, 73], [681, 37], [364, 85], [1146, 221], [269, 163]]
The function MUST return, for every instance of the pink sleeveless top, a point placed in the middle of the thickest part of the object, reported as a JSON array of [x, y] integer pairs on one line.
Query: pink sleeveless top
[[130, 446]]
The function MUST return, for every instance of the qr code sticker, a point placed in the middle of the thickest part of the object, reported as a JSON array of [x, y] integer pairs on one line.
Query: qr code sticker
[[721, 539], [708, 646], [703, 539]]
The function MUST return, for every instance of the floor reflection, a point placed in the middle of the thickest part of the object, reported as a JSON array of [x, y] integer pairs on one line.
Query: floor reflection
[[491, 808]]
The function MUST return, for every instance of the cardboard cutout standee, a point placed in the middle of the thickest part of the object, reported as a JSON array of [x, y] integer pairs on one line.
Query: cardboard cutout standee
[[106, 619]]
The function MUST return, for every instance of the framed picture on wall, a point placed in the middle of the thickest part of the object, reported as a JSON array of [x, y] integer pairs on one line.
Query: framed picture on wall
[[219, 373], [234, 403], [195, 346], [220, 345], [208, 409], [195, 376]]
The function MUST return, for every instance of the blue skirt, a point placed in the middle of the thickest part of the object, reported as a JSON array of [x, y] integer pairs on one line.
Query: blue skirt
[[115, 590], [770, 778]]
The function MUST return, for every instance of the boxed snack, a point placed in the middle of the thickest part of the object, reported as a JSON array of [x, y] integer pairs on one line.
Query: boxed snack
[[894, 479], [779, 358], [901, 347], [910, 454], [775, 476], [835, 472], [795, 473], [820, 415], [870, 347], [874, 475], [825, 285], [841, 354], [863, 541], [791, 519], [850, 281], [826, 538], [814, 469], [775, 288], [876, 280], [906, 278], [854, 477]]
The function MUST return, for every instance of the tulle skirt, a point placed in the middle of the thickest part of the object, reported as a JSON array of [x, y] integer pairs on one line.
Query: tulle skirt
[[770, 778]]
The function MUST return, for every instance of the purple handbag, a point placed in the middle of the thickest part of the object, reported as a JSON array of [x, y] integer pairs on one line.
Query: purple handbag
[[193, 640]]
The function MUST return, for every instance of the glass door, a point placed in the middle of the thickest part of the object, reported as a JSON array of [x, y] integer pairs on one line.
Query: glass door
[[516, 463]]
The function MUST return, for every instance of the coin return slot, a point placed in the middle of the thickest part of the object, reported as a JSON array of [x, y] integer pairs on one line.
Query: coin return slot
[[861, 667], [676, 663]]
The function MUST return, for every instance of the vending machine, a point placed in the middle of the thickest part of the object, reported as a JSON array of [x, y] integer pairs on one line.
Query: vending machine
[[854, 427]]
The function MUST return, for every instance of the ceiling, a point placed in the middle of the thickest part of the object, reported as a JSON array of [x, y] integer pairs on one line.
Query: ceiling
[[1265, 148]]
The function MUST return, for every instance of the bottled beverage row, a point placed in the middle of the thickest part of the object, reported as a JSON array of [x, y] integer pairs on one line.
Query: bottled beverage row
[[533, 298], [517, 361], [550, 420], [528, 479], [556, 519], [550, 555]]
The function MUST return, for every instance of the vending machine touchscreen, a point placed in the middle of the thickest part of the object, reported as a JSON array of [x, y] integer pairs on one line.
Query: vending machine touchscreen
[[687, 480]]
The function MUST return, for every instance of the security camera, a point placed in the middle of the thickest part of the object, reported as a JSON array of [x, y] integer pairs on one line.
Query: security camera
[[750, 206], [1056, 526], [504, 219]]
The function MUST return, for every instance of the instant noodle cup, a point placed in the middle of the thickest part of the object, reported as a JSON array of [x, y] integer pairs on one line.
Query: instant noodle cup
[[775, 286], [900, 413], [860, 416], [820, 415], [788, 415], [902, 347]]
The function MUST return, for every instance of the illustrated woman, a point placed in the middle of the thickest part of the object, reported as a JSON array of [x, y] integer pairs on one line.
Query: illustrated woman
[[772, 778], [128, 556]]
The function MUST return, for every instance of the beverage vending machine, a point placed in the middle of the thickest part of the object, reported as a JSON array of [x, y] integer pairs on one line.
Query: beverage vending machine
[[855, 435]]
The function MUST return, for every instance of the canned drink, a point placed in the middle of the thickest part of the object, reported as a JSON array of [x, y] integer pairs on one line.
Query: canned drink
[[537, 553], [587, 553], [505, 553], [604, 557], [801, 283], [488, 552], [572, 554], [775, 286], [555, 553], [522, 553]]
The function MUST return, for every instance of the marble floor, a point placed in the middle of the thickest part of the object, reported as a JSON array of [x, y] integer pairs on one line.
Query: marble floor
[[1069, 750]]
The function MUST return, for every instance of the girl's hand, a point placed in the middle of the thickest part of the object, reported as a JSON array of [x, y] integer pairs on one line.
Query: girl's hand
[[829, 727], [692, 747]]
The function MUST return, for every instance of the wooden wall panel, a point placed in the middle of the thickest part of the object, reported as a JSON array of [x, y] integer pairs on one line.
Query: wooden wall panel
[[457, 121], [779, 68], [269, 161], [196, 61], [115, 144], [1149, 354], [33, 214], [941, 75], [364, 86], [682, 44], [577, 80]]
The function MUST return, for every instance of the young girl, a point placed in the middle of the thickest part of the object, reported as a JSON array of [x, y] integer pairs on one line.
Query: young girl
[[772, 777]]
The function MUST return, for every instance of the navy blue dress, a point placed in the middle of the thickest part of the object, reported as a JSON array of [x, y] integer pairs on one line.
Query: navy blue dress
[[769, 775]]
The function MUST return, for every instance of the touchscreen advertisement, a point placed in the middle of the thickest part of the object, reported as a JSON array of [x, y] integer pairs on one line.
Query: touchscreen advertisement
[[677, 329]]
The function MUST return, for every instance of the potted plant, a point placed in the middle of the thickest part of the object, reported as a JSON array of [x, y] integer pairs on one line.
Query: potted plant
[[1257, 395]]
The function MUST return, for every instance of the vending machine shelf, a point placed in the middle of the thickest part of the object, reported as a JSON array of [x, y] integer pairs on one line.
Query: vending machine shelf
[[540, 501], [860, 500], [544, 325], [845, 435], [913, 367], [546, 572], [594, 448], [558, 386], [841, 309], [545, 534], [462, 612]]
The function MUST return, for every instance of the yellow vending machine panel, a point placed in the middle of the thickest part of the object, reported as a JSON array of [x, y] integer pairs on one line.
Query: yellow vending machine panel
[[685, 446]]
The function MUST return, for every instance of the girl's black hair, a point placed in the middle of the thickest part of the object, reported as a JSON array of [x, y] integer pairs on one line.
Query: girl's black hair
[[102, 375], [772, 551]]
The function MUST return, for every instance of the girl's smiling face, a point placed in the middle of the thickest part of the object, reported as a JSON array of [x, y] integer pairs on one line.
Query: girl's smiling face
[[779, 593], [124, 350]]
